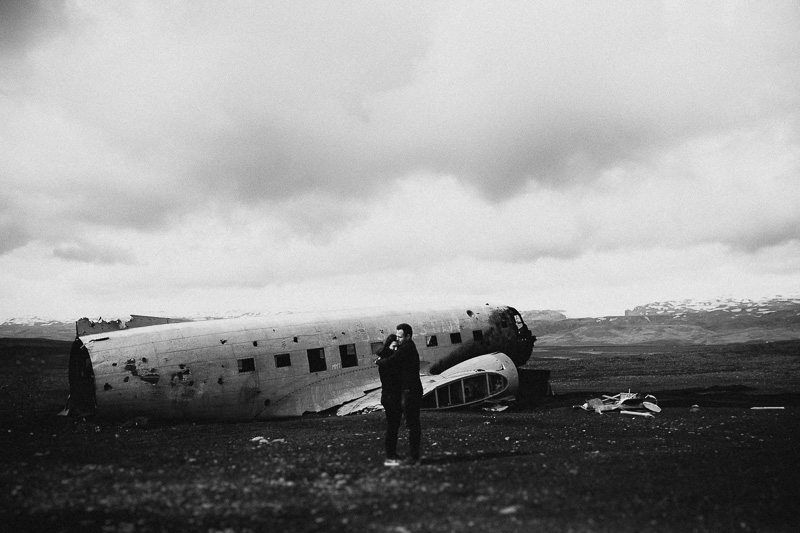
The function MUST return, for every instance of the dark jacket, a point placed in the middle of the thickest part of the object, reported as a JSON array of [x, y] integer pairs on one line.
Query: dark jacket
[[390, 377], [403, 364]]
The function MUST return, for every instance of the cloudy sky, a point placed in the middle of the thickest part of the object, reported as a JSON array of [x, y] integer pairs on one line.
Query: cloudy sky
[[191, 157]]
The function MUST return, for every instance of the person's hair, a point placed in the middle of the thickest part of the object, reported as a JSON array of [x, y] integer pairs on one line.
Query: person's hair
[[407, 331], [385, 351]]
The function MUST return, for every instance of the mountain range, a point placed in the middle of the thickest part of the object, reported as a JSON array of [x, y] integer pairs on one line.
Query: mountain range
[[718, 321]]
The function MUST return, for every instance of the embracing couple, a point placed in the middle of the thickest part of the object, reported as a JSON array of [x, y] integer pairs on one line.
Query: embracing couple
[[401, 392]]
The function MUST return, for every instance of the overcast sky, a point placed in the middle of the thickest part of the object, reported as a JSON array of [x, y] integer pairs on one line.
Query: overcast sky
[[194, 157]]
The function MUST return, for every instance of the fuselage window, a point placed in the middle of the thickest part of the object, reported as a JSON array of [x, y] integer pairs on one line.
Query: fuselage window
[[496, 383], [475, 388], [455, 338], [283, 359], [348, 354], [246, 365], [431, 341], [456, 393], [316, 360], [443, 396], [376, 347], [477, 335]]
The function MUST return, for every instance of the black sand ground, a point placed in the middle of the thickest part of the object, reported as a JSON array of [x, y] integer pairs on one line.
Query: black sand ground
[[535, 467]]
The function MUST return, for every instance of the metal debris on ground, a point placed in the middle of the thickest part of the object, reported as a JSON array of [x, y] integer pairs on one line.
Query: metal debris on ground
[[261, 440], [637, 413], [630, 403]]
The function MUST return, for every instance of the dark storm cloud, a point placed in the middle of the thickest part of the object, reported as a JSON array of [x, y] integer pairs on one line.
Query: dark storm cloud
[[260, 161], [13, 234], [147, 210], [95, 253], [764, 234], [297, 100], [23, 23], [15, 229], [523, 94]]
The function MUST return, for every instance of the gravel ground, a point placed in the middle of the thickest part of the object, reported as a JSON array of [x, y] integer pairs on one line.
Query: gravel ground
[[538, 466]]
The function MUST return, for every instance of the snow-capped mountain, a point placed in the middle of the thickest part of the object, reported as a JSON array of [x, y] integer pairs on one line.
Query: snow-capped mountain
[[31, 320], [717, 321], [37, 327], [760, 307]]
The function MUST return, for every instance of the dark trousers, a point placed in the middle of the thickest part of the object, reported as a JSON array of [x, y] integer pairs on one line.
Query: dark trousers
[[396, 407]]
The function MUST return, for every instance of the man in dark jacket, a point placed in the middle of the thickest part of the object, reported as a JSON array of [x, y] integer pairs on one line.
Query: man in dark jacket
[[403, 366]]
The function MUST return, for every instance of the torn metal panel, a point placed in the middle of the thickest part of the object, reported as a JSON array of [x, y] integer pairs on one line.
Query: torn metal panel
[[86, 326], [597, 405], [624, 402], [636, 413]]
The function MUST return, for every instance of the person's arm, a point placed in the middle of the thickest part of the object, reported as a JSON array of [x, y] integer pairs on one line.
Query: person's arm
[[386, 351], [395, 359]]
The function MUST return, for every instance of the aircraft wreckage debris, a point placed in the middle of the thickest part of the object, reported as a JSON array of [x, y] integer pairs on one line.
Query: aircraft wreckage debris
[[637, 413], [629, 403], [262, 440]]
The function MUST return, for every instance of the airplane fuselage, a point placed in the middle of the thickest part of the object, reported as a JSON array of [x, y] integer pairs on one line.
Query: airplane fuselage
[[274, 366]]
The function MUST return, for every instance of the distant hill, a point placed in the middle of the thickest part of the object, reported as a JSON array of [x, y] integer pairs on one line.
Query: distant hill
[[547, 316], [721, 321], [37, 328]]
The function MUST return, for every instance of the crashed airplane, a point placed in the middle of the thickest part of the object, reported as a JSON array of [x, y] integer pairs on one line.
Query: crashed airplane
[[283, 365]]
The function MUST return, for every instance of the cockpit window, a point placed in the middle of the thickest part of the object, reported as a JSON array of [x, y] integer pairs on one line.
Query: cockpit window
[[497, 383]]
